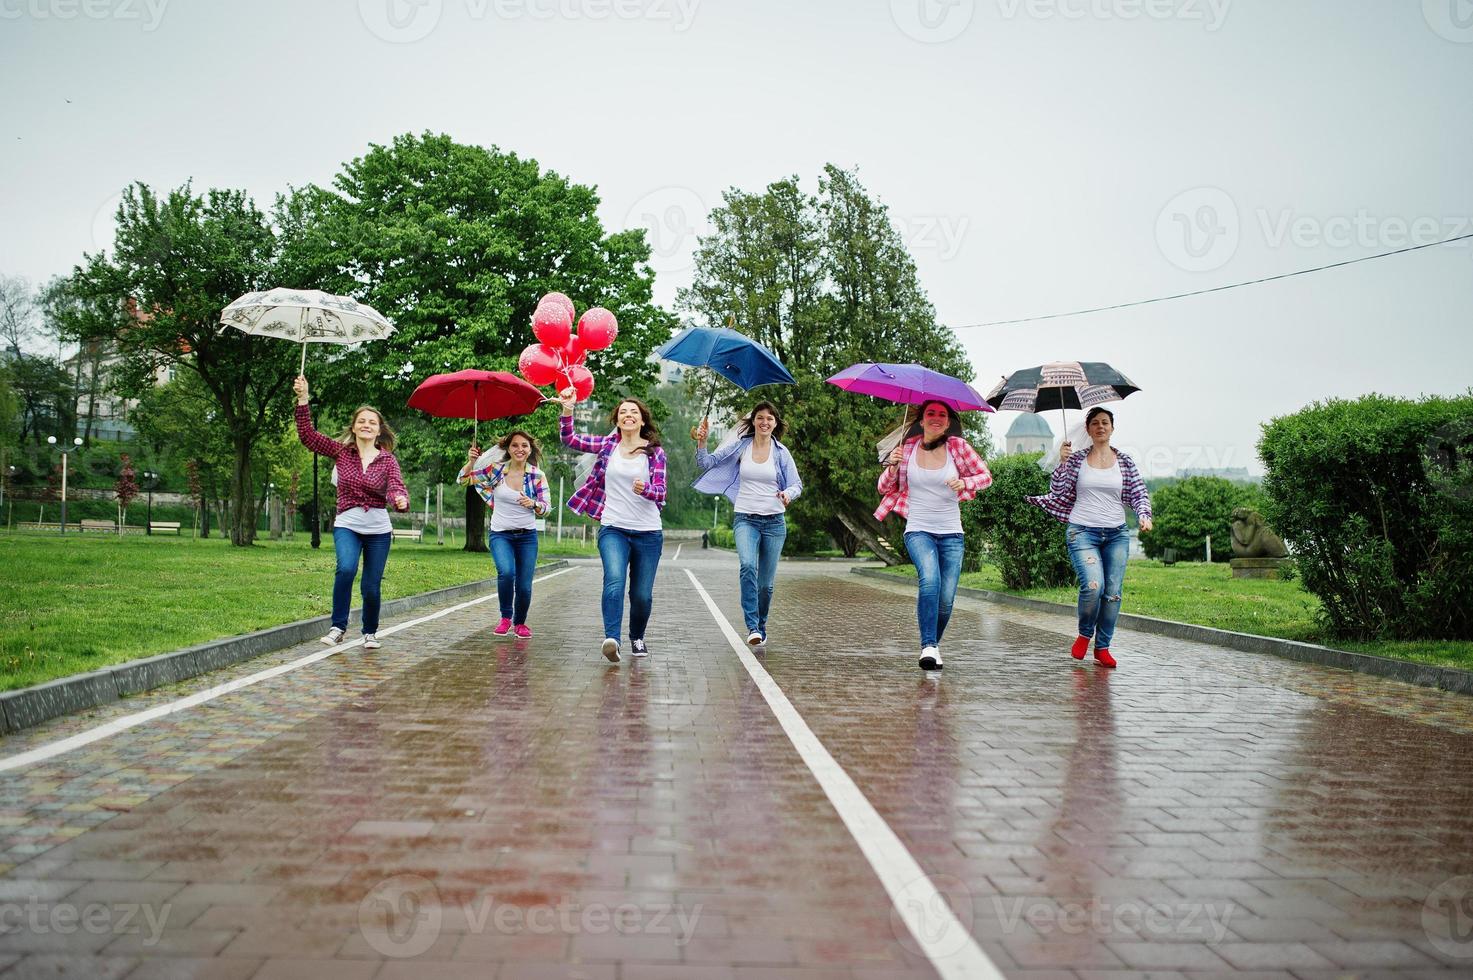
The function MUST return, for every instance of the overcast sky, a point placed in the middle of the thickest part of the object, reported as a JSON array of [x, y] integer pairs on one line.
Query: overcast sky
[[1039, 156]]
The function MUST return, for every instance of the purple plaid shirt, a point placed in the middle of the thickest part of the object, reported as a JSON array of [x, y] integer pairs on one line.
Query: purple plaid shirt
[[1063, 488], [589, 500]]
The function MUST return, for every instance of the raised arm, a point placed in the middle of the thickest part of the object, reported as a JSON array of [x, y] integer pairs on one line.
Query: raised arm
[[311, 438], [577, 440]]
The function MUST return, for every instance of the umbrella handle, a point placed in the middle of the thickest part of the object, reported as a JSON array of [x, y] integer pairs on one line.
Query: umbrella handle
[[302, 368]]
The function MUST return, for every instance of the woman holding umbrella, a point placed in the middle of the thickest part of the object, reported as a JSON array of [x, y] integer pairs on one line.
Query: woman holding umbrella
[[925, 479], [756, 472], [368, 480], [516, 491], [1089, 492], [624, 492]]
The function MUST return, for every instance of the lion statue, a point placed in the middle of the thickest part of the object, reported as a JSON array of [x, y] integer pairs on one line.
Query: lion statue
[[1253, 539]]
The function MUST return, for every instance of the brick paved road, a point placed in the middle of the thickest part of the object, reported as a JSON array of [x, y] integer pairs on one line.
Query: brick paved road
[[458, 804]]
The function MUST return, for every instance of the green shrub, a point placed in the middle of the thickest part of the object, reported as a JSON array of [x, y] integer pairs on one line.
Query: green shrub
[[723, 537], [1374, 497], [1187, 511], [1023, 541]]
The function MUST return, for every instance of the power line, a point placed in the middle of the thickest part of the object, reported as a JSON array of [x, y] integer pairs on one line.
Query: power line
[[1214, 289]]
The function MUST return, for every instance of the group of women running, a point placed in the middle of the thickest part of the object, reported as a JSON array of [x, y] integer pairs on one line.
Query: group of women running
[[925, 479]]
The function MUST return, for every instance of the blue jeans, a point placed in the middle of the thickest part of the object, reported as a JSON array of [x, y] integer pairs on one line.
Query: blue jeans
[[634, 555], [374, 550], [515, 554], [938, 561], [1099, 554], [759, 544]]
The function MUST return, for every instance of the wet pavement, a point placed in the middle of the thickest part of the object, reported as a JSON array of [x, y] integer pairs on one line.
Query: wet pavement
[[463, 805]]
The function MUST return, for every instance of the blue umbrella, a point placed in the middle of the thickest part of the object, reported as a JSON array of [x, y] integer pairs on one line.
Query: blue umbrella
[[733, 355]]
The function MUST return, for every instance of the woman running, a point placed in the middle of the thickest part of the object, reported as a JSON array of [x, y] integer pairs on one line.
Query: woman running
[[516, 491]]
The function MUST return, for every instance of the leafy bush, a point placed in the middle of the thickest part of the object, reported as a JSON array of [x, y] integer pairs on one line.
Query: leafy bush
[[1375, 497], [1023, 541], [1187, 511], [723, 537]]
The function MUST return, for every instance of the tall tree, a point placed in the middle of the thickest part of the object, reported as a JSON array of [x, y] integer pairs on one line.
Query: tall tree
[[456, 244], [177, 261], [823, 281]]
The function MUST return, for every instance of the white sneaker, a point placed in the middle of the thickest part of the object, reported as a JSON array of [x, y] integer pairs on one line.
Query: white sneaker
[[611, 649], [930, 658], [639, 649], [755, 639], [370, 641], [334, 637]]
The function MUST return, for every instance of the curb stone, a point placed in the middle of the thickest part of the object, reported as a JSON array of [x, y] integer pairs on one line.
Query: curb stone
[[1423, 675], [30, 706]]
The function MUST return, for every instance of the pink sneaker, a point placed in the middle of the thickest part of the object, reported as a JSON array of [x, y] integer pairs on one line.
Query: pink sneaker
[[524, 631], [503, 627]]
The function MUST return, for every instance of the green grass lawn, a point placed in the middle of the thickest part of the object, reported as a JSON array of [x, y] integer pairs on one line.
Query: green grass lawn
[[1208, 595], [87, 601]]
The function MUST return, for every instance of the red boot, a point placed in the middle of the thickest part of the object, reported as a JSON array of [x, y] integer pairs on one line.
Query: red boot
[[1080, 648], [1103, 658]]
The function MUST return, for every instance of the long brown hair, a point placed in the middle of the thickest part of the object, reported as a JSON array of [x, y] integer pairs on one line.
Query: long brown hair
[[647, 430], [745, 427], [534, 458], [913, 425], [386, 439]]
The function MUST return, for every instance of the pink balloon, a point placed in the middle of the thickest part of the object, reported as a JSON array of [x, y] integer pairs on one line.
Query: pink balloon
[[598, 328], [539, 364], [573, 352], [552, 325], [582, 381], [562, 301]]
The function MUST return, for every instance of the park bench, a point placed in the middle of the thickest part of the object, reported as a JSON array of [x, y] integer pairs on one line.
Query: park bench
[[156, 526], [93, 525], [407, 534]]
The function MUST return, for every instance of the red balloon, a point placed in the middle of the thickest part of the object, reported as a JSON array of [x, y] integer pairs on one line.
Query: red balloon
[[552, 324], [598, 328], [562, 301], [540, 364], [582, 381], [573, 352]]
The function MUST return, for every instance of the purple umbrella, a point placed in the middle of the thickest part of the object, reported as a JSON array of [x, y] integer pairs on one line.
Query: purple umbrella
[[910, 384]]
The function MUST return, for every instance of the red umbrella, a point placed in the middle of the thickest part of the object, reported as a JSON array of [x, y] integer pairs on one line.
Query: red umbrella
[[475, 395]]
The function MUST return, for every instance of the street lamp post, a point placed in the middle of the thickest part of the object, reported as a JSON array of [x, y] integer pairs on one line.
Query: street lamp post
[[152, 478], [76, 444]]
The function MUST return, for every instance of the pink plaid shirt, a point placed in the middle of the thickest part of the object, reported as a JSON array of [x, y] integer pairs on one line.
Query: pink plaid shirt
[[370, 489], [894, 486]]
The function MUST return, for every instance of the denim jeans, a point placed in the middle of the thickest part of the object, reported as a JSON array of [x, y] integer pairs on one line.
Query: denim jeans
[[1099, 554], [938, 561], [634, 555], [515, 554], [374, 549], [759, 544]]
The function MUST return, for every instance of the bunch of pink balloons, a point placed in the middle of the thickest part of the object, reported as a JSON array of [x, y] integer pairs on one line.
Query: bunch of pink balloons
[[557, 358]]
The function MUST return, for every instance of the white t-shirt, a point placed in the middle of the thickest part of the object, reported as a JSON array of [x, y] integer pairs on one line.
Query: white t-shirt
[[374, 520], [1097, 500], [757, 489], [508, 515], [934, 506], [623, 508]]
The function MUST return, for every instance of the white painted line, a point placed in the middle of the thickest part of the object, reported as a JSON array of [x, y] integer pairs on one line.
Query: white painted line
[[946, 941], [53, 749], [677, 552]]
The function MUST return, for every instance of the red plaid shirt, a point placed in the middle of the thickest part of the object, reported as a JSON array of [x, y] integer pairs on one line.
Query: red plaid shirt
[[895, 488], [369, 488], [590, 498]]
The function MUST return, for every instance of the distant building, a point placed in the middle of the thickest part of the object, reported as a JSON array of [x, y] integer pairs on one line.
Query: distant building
[[1029, 433]]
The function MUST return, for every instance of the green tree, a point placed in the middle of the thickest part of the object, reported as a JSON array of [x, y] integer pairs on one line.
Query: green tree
[[456, 244], [823, 281], [1027, 545], [177, 261], [1184, 513]]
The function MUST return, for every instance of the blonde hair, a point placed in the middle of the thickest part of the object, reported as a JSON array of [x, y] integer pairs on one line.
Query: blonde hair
[[386, 439]]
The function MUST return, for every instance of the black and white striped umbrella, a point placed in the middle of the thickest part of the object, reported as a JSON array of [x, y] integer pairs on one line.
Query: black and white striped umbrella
[[1060, 385]]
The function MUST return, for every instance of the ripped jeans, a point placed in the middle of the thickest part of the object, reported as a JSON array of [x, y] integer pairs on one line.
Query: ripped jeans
[[1099, 554]]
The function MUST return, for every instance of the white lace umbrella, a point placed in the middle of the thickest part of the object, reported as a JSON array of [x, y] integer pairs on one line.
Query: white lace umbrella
[[305, 316]]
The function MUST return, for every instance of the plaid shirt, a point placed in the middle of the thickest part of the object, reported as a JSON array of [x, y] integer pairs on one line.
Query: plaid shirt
[[357, 487], [894, 484], [1064, 487], [487, 478], [589, 500]]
